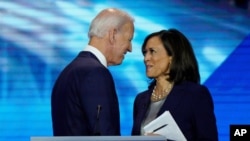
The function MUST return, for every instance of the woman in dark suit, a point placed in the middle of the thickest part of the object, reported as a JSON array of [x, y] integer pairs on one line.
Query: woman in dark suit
[[171, 64]]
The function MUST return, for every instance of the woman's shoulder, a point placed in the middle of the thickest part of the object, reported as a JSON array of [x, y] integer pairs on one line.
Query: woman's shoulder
[[190, 84], [193, 88], [197, 93]]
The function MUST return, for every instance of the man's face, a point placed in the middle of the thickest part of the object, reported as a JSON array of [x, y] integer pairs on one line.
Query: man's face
[[122, 43]]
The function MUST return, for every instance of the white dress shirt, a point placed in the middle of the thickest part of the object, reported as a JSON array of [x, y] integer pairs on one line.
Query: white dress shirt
[[97, 53]]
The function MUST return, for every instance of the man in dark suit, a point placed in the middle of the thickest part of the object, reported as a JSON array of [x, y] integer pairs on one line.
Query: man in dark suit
[[84, 100]]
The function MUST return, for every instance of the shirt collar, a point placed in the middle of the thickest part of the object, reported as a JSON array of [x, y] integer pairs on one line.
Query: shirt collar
[[97, 53]]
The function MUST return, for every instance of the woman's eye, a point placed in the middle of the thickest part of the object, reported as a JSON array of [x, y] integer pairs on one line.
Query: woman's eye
[[152, 51]]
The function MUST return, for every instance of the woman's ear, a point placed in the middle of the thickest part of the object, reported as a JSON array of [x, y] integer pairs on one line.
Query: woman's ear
[[170, 60]]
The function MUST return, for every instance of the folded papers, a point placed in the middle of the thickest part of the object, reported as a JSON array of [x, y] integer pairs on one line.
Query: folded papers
[[165, 125]]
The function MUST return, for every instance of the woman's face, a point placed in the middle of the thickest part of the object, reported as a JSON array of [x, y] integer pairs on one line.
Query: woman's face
[[156, 59]]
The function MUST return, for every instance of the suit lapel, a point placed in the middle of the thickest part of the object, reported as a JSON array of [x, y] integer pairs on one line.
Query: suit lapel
[[145, 102]]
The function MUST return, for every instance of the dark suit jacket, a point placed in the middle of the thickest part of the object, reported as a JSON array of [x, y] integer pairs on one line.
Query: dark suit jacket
[[83, 85], [190, 105]]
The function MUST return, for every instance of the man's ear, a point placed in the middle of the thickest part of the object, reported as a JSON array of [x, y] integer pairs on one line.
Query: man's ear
[[112, 34]]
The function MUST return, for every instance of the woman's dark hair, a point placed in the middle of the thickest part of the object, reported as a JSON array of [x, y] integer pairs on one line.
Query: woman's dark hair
[[184, 65]]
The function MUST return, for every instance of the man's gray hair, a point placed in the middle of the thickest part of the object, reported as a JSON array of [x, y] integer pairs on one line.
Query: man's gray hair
[[107, 19]]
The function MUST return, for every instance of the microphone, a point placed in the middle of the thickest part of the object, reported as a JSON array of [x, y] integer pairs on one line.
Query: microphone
[[97, 124]]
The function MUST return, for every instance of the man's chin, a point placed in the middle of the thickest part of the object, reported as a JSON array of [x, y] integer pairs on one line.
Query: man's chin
[[120, 61], [115, 63]]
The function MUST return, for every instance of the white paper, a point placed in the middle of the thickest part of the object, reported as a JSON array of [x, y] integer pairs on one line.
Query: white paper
[[171, 131]]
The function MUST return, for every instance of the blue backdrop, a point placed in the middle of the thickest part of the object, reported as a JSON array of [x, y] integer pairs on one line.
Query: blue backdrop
[[39, 38]]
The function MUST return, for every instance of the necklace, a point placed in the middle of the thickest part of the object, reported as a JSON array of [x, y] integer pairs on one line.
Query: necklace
[[159, 96]]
